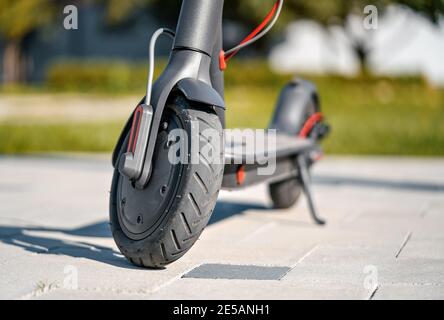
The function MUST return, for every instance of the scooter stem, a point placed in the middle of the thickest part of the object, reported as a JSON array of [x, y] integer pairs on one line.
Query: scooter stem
[[198, 22]]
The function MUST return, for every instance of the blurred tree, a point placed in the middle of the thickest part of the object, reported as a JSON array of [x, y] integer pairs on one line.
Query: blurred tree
[[337, 12], [431, 9], [118, 10], [18, 19], [326, 12]]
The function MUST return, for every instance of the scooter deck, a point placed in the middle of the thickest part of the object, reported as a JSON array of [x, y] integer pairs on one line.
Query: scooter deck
[[237, 150], [276, 158], [288, 156]]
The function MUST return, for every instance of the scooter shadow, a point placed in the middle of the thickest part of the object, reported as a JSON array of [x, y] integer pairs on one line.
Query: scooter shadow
[[225, 210], [50, 240]]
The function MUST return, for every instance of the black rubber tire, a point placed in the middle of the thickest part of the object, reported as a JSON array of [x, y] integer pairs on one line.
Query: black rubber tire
[[285, 194], [191, 206]]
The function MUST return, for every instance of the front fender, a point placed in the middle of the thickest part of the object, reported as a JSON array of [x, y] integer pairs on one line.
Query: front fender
[[193, 90], [187, 72], [201, 92]]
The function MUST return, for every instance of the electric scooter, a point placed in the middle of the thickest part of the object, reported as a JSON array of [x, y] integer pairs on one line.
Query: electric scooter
[[159, 207]]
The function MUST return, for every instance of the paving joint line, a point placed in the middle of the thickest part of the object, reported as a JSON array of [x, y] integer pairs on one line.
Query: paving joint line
[[404, 243], [259, 230], [350, 217], [373, 293], [309, 252], [422, 213]]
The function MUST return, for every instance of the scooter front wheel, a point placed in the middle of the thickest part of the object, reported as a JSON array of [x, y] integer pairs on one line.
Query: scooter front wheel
[[157, 225]]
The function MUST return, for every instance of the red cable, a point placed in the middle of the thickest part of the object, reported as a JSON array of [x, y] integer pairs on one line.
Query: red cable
[[309, 124], [258, 29]]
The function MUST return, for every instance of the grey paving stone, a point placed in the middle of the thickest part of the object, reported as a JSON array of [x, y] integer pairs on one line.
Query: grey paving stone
[[371, 205], [410, 292], [423, 249], [190, 289], [413, 271], [245, 272], [89, 294], [339, 265], [353, 265]]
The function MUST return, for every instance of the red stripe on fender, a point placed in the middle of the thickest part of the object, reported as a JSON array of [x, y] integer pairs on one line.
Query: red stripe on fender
[[135, 129], [309, 124]]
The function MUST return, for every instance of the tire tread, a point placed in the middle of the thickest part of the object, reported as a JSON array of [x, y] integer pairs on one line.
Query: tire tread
[[191, 208]]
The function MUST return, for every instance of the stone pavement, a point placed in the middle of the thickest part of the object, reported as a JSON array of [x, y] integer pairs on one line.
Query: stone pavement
[[384, 238]]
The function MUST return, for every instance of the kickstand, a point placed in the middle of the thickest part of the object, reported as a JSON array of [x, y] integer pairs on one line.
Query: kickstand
[[306, 186]]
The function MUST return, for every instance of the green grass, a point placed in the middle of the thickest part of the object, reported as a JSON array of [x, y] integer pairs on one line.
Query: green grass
[[368, 116], [72, 137], [373, 118]]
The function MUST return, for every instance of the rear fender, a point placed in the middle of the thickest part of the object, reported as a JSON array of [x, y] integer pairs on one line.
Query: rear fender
[[297, 101]]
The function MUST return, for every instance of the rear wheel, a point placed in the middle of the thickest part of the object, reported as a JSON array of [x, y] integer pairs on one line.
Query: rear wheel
[[286, 193], [157, 225]]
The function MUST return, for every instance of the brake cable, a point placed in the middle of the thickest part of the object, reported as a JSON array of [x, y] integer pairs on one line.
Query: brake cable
[[151, 50], [257, 33]]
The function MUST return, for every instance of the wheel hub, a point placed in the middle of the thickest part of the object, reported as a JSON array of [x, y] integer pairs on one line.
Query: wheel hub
[[140, 211]]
